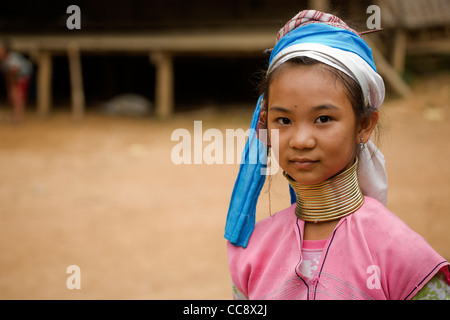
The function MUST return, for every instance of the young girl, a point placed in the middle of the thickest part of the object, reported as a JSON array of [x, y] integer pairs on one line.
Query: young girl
[[337, 240]]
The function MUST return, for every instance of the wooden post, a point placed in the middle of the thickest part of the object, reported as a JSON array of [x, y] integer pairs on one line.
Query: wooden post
[[44, 83], [76, 81], [389, 73], [399, 50], [164, 92]]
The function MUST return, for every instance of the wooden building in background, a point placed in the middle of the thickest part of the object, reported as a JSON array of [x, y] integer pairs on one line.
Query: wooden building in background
[[191, 31]]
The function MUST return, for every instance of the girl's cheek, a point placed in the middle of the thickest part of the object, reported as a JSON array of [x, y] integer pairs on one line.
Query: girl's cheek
[[279, 147]]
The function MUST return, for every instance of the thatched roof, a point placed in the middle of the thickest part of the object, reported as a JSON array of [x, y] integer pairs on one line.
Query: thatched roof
[[415, 14]]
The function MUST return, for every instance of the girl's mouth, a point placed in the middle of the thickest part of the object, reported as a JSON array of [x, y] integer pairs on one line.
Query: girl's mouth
[[303, 163]]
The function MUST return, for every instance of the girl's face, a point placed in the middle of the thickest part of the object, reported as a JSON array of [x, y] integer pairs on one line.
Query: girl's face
[[317, 127]]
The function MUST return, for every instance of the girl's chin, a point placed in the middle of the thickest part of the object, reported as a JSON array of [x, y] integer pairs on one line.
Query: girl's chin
[[306, 179], [311, 173], [305, 174]]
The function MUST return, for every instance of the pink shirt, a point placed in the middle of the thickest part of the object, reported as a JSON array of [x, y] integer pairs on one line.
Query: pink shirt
[[371, 254]]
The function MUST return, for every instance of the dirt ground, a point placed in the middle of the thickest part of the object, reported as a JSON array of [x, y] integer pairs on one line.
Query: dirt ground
[[104, 195]]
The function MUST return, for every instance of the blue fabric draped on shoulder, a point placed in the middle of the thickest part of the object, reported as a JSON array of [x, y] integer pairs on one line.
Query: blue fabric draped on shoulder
[[248, 185]]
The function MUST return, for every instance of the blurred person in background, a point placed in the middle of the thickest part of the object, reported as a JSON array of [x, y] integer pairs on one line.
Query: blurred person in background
[[17, 71]]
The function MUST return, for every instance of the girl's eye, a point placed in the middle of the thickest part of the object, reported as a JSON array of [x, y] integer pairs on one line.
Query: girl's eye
[[323, 119], [283, 121]]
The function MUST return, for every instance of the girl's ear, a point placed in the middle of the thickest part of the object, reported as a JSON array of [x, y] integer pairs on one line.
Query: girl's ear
[[366, 127], [262, 124], [263, 118]]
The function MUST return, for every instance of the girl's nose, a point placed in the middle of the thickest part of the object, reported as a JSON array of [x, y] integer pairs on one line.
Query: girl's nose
[[302, 139]]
